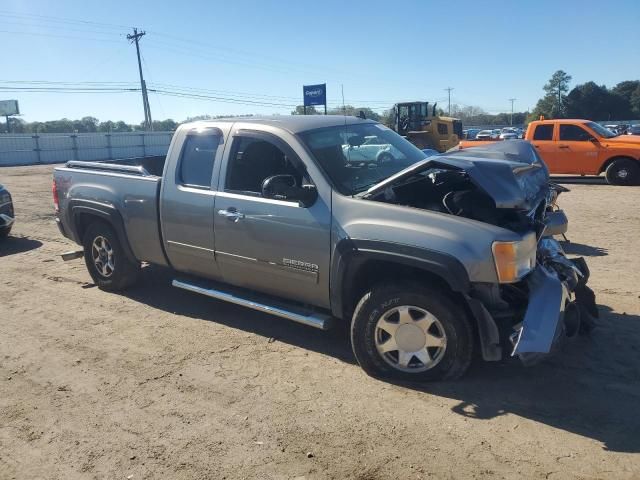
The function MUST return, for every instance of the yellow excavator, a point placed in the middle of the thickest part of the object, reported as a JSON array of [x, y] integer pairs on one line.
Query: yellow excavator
[[424, 128]]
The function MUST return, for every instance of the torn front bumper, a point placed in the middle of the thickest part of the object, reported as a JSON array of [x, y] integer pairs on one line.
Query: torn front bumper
[[559, 303]]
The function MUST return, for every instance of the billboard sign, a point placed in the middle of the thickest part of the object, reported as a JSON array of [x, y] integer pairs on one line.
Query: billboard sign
[[9, 107], [315, 94]]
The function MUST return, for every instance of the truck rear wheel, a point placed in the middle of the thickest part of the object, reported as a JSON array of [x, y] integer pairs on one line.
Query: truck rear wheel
[[106, 260], [623, 171], [409, 332]]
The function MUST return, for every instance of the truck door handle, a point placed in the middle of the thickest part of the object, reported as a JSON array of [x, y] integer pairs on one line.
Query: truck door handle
[[232, 214], [563, 146]]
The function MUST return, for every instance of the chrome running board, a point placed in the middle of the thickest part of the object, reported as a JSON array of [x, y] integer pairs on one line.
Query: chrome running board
[[312, 319]]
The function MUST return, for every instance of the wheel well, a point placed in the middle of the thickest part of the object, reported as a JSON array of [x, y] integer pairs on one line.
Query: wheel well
[[606, 164], [82, 222], [366, 273]]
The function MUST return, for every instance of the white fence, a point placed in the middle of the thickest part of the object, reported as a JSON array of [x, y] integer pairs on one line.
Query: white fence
[[33, 149]]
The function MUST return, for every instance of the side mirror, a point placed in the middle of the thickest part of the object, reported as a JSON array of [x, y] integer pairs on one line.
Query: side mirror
[[594, 140], [284, 187]]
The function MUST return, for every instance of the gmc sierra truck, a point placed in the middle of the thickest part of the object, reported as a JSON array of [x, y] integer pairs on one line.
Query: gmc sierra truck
[[430, 260], [582, 147]]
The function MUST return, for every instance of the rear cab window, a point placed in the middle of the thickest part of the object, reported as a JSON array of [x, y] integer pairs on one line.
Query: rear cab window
[[543, 132], [195, 167]]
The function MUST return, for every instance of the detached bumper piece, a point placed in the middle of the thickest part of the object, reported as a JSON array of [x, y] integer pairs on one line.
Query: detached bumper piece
[[560, 304]]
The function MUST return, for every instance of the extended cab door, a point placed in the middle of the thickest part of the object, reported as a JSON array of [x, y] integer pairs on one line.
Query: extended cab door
[[578, 150], [543, 141], [273, 246], [187, 199]]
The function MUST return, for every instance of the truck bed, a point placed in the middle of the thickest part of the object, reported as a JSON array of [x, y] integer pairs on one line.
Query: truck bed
[[129, 187]]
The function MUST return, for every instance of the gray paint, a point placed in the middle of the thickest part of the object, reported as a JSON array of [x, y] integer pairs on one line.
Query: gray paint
[[280, 247]]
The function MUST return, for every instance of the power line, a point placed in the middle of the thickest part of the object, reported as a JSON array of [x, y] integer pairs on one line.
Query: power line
[[49, 18], [38, 34], [221, 99]]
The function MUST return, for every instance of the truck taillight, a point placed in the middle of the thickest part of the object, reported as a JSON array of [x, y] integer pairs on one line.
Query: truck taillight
[[54, 191]]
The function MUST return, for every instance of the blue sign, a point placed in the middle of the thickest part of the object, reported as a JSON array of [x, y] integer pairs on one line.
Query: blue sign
[[315, 94]]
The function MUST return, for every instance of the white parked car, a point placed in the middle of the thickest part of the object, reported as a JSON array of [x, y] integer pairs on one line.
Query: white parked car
[[508, 136], [372, 150], [486, 135]]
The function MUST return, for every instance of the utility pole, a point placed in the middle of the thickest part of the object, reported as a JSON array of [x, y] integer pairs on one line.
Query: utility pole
[[559, 100], [448, 89], [143, 86], [511, 119]]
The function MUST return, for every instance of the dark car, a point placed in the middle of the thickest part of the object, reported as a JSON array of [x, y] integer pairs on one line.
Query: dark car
[[633, 130], [6, 212]]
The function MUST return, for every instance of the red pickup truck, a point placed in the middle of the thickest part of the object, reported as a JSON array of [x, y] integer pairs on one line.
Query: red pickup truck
[[582, 147]]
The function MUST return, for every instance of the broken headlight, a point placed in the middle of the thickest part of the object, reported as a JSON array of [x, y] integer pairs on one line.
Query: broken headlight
[[514, 260]]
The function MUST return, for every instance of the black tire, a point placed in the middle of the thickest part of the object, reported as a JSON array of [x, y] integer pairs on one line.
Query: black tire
[[4, 232], [376, 304], [623, 171], [122, 272]]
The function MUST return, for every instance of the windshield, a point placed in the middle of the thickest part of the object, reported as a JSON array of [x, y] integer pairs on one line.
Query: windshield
[[355, 157], [600, 130]]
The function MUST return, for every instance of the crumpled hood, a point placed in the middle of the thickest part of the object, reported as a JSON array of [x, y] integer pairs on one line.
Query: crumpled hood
[[511, 172]]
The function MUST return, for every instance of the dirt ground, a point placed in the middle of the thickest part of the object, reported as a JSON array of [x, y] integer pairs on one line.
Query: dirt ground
[[162, 383]]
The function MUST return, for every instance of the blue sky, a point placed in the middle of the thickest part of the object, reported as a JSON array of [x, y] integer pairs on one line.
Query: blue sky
[[260, 51]]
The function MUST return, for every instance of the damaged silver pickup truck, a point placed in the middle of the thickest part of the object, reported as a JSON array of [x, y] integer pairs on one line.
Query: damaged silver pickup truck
[[429, 259]]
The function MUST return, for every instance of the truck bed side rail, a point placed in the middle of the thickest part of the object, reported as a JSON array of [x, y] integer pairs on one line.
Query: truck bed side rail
[[111, 167]]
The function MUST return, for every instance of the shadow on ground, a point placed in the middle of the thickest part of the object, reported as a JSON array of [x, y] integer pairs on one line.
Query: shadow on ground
[[12, 245], [573, 248], [576, 179], [592, 388]]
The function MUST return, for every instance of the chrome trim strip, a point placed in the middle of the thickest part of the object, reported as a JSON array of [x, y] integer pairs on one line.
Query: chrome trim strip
[[239, 257], [150, 178], [201, 191], [316, 320], [239, 196], [179, 244], [114, 167]]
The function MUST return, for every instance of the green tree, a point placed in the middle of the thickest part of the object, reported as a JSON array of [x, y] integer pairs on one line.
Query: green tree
[[634, 103], [354, 111], [167, 125], [630, 90], [552, 105], [311, 110], [596, 102]]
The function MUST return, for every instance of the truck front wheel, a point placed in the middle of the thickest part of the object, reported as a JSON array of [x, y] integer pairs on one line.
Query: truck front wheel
[[106, 261], [410, 332], [623, 171]]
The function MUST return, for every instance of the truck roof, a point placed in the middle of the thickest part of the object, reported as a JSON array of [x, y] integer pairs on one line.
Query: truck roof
[[293, 123], [562, 120]]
